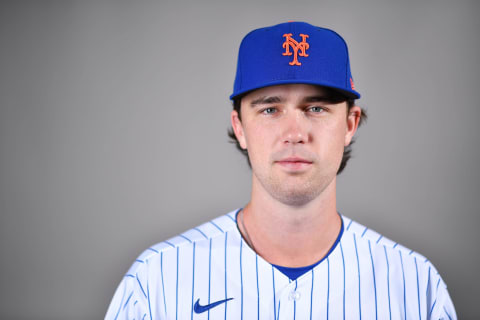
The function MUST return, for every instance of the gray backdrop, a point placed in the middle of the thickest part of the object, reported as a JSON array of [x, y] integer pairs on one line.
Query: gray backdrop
[[113, 121]]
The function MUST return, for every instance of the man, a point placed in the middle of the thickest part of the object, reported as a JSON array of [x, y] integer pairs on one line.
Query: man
[[288, 254]]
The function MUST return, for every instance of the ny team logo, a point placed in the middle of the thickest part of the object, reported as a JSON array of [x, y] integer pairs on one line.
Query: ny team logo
[[295, 46]]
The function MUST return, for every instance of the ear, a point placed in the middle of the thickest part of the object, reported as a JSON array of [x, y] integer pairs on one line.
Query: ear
[[353, 119], [238, 129]]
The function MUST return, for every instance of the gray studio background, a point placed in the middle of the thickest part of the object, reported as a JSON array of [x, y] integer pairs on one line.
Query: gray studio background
[[113, 121]]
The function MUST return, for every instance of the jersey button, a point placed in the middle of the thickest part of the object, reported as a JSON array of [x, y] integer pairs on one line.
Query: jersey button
[[294, 295]]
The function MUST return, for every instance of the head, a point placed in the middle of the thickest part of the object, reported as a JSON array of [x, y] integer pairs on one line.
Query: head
[[294, 109], [295, 136], [335, 95]]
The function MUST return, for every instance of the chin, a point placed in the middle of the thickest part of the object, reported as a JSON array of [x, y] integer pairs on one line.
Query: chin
[[296, 197], [295, 191]]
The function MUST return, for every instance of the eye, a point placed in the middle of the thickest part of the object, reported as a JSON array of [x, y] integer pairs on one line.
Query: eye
[[269, 110], [316, 109]]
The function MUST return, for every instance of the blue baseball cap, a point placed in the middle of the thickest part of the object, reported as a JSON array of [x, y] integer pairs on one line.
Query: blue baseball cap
[[293, 52]]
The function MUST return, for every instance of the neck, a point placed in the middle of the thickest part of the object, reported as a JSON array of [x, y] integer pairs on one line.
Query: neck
[[292, 236]]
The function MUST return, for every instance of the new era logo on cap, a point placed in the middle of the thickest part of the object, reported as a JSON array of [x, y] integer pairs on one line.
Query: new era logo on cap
[[293, 52]]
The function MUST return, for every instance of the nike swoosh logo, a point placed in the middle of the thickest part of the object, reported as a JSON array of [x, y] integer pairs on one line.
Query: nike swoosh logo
[[200, 309]]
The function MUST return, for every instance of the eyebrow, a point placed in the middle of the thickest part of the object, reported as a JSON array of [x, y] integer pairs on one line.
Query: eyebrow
[[277, 99], [327, 99], [266, 100], [318, 99]]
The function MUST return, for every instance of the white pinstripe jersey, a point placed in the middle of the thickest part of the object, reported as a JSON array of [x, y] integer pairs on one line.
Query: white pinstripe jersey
[[365, 276]]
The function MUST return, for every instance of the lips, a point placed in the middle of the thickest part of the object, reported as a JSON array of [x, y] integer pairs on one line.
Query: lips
[[294, 159], [294, 163]]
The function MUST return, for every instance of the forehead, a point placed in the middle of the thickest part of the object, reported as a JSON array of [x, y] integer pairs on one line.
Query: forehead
[[288, 91]]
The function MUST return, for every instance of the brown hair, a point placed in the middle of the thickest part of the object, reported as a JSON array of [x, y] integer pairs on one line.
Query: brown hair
[[335, 96]]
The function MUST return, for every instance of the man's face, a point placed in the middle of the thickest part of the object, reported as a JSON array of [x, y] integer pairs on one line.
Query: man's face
[[295, 137]]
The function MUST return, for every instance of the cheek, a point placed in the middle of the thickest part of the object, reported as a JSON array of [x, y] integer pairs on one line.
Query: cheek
[[340, 142], [331, 140], [260, 141], [259, 135]]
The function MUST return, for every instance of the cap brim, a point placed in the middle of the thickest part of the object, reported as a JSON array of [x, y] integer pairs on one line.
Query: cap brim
[[350, 94]]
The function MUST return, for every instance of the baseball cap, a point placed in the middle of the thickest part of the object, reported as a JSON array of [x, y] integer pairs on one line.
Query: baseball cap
[[293, 52]]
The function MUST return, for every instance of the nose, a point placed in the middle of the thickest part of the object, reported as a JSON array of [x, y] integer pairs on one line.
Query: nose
[[297, 128]]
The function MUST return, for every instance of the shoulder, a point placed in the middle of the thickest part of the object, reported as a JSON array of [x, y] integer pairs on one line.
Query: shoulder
[[404, 271], [385, 251], [379, 243], [198, 236], [152, 275], [402, 263]]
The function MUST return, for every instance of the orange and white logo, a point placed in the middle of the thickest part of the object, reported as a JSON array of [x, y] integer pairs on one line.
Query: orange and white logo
[[295, 46]]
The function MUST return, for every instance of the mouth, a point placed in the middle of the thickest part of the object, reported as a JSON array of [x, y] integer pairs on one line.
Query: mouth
[[294, 163]]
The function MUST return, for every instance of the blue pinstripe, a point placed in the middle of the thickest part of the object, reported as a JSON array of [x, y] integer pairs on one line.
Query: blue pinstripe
[[343, 261], [278, 314], [374, 281], [311, 296], [141, 287], [148, 293], [433, 306], [328, 287], [349, 224], [447, 313], [388, 282], [176, 290], [123, 297], [258, 289], [295, 303], [163, 286], [418, 290], [170, 244], [200, 231], [358, 268], [156, 251], [241, 279], [364, 231], [217, 226], [128, 299], [193, 275], [428, 281], [209, 273], [181, 235], [226, 236], [274, 299], [235, 216], [404, 289]]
